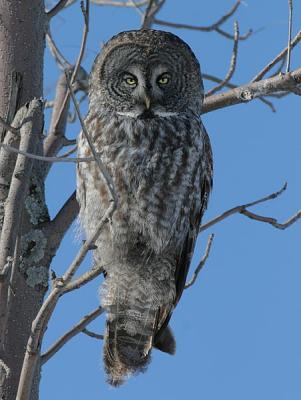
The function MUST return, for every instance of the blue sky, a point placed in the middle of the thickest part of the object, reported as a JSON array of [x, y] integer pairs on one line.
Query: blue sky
[[238, 328]]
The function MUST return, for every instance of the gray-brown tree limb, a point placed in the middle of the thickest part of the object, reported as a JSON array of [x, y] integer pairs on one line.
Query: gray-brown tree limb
[[232, 66], [243, 94], [32, 116], [243, 209], [210, 28], [87, 319]]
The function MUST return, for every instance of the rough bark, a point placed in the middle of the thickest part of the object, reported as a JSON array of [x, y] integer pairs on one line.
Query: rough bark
[[22, 27]]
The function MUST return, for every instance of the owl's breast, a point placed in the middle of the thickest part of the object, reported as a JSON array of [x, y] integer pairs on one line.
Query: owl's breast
[[156, 169], [158, 176]]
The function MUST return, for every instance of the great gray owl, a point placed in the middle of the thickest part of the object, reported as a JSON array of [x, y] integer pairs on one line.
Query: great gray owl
[[146, 97]]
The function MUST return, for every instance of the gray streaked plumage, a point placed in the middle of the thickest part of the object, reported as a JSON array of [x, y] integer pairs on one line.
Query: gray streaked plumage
[[146, 97]]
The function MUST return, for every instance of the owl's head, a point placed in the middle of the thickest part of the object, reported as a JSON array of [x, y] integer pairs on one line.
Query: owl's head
[[146, 73]]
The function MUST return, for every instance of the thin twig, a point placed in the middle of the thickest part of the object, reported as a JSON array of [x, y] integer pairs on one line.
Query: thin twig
[[232, 63], [242, 209], [87, 319], [113, 3], [268, 103], [119, 3], [213, 27], [57, 55], [231, 37], [92, 334], [152, 9], [273, 221], [61, 159], [104, 173], [215, 79], [84, 278], [56, 9], [278, 58], [208, 28], [290, 24], [86, 13], [239, 209], [201, 263]]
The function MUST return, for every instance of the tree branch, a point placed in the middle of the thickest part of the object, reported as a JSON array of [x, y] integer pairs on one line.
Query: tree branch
[[272, 221], [243, 94], [32, 116], [103, 172], [84, 279], [242, 209], [201, 263], [278, 58], [92, 334], [60, 114], [290, 23], [56, 229], [56, 9], [232, 64], [152, 9], [61, 159], [213, 27], [87, 319]]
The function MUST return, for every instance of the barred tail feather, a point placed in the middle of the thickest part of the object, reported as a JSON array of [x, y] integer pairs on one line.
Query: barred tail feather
[[128, 342]]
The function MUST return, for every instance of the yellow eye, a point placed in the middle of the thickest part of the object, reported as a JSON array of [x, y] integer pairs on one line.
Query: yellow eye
[[163, 79], [129, 80]]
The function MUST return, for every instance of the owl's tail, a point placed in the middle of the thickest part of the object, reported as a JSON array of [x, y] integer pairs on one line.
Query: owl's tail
[[130, 335], [128, 342]]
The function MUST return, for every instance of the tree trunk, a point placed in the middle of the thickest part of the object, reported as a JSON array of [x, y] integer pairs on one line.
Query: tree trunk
[[23, 285]]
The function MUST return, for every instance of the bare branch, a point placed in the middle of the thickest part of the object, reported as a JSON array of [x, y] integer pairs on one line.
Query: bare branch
[[215, 79], [61, 159], [231, 37], [92, 334], [240, 209], [104, 173], [290, 23], [87, 319], [120, 3], [243, 94], [152, 9], [201, 263], [57, 55], [32, 115], [54, 140], [268, 103], [232, 63], [229, 14], [273, 221], [56, 9], [84, 278], [233, 86], [278, 58], [113, 3], [64, 106], [56, 229], [213, 27]]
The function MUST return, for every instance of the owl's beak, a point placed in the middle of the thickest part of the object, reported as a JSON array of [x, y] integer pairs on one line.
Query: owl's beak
[[147, 101]]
